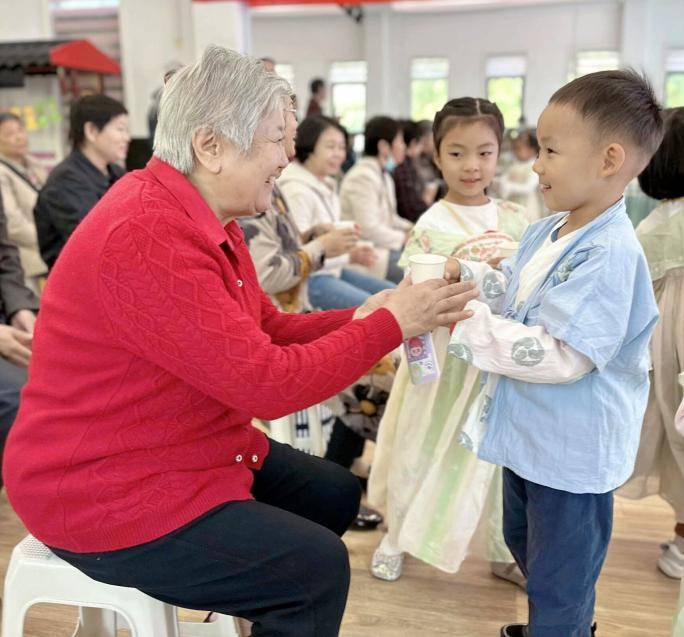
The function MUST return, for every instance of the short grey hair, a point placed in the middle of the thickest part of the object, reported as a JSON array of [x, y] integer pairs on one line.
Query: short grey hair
[[225, 92]]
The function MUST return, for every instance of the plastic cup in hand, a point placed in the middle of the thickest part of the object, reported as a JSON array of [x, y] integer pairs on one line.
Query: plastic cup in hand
[[344, 225], [425, 267]]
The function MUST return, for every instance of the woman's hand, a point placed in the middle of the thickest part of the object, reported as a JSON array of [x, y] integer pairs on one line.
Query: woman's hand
[[423, 307], [15, 345], [321, 229], [372, 303], [363, 255], [338, 242]]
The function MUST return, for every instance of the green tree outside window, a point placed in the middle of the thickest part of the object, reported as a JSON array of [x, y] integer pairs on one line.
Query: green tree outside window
[[507, 94]]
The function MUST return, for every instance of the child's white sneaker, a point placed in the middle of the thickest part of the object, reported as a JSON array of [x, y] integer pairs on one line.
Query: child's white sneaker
[[509, 571], [387, 566], [671, 562]]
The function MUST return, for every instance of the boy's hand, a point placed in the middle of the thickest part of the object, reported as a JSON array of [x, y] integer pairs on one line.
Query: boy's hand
[[452, 270]]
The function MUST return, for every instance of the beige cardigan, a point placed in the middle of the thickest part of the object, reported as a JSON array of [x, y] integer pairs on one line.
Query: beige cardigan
[[19, 200], [368, 197]]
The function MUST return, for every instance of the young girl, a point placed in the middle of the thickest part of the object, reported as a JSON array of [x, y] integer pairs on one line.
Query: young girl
[[660, 462], [433, 489]]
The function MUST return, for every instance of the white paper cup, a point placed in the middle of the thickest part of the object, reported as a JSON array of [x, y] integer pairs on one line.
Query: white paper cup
[[344, 225], [507, 249], [425, 267], [362, 243]]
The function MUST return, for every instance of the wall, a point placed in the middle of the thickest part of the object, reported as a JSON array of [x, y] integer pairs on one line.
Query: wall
[[549, 35], [154, 34], [310, 43], [25, 20]]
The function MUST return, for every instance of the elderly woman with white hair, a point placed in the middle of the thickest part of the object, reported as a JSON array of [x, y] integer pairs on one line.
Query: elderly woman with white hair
[[133, 455]]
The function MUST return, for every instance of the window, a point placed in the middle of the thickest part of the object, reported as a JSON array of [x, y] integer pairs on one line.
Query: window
[[348, 90], [506, 86], [68, 5], [429, 87], [674, 79], [592, 61], [286, 71]]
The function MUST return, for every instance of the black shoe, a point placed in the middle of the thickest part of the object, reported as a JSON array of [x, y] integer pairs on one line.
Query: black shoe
[[367, 519], [520, 630]]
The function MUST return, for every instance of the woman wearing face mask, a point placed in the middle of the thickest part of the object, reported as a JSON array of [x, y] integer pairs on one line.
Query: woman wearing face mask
[[21, 177], [310, 189], [368, 193], [99, 133]]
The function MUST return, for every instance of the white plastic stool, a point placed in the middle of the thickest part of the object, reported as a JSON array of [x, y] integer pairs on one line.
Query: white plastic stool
[[35, 575]]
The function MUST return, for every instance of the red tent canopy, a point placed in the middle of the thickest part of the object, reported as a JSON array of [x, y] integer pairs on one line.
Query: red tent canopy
[[81, 55]]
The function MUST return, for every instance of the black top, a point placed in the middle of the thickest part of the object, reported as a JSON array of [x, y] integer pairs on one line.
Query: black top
[[72, 189], [14, 295]]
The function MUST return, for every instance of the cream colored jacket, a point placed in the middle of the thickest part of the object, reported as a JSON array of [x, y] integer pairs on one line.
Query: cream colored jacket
[[19, 200], [368, 197]]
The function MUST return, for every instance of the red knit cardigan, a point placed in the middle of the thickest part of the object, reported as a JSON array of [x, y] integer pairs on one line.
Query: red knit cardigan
[[153, 350]]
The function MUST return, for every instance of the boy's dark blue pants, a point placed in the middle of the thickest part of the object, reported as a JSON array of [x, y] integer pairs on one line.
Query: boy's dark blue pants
[[559, 540]]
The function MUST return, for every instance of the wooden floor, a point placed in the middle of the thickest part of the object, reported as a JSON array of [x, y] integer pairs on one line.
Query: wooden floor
[[634, 599]]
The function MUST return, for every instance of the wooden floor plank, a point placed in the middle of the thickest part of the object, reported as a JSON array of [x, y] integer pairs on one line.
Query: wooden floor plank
[[634, 598]]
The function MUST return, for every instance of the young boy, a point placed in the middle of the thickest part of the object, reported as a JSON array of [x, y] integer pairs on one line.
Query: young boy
[[563, 330]]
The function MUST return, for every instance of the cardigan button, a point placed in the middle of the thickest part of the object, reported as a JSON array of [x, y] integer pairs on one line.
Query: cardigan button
[[238, 458], [239, 283], [255, 458]]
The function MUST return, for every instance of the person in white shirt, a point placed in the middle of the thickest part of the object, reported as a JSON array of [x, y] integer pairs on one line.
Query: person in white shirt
[[310, 189], [368, 195]]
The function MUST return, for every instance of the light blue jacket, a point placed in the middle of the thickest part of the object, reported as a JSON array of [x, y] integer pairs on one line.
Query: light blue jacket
[[583, 436]]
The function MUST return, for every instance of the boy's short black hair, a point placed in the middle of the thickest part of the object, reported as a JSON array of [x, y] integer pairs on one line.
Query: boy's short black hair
[[379, 128], [98, 109], [316, 85], [617, 102], [309, 131], [663, 178]]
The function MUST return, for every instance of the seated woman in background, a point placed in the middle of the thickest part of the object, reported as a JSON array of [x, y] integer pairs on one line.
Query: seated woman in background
[[310, 189], [99, 134], [21, 178], [283, 266], [368, 196], [283, 257]]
